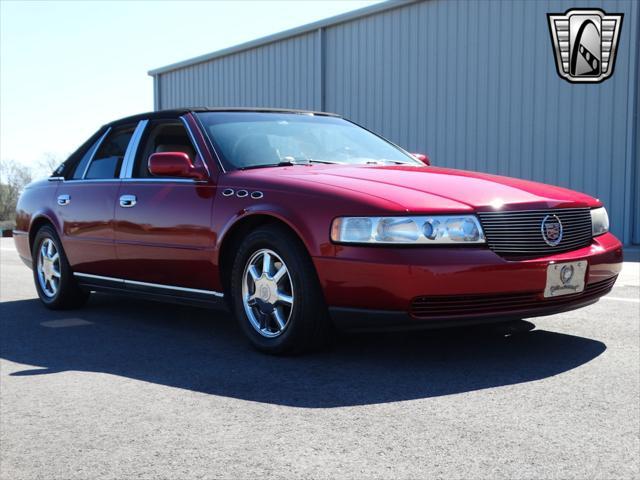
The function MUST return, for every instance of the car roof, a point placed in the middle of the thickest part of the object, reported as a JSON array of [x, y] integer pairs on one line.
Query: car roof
[[182, 111]]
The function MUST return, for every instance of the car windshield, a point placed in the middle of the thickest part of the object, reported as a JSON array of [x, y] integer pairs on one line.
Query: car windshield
[[259, 139]]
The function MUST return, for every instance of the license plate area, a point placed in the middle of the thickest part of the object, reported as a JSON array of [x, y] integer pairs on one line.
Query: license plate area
[[565, 278]]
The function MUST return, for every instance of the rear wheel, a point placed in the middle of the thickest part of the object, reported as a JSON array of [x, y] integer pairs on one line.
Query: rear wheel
[[55, 284], [276, 295]]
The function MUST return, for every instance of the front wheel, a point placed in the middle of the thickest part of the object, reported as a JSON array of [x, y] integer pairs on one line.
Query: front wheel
[[52, 274], [276, 295]]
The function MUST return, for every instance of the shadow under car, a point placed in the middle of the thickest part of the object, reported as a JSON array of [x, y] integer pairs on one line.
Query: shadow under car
[[203, 350]]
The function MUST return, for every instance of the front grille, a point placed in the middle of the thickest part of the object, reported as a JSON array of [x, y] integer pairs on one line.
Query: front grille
[[461, 305], [519, 233]]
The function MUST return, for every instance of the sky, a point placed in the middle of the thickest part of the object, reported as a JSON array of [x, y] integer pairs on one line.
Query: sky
[[68, 67]]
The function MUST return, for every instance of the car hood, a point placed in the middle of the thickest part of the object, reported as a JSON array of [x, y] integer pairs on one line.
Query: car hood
[[425, 188]]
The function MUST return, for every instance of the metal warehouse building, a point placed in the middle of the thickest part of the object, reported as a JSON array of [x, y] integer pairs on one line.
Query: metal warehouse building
[[472, 84]]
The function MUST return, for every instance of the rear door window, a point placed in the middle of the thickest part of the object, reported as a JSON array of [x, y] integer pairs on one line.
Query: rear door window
[[108, 158]]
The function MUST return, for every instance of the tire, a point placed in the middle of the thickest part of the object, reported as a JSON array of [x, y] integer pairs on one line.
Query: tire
[[55, 284], [305, 319]]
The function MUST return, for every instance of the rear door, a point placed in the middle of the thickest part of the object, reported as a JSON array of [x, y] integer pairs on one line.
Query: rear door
[[163, 231], [86, 202]]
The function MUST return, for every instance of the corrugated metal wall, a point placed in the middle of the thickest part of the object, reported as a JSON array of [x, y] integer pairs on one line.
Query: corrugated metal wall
[[473, 84], [286, 73]]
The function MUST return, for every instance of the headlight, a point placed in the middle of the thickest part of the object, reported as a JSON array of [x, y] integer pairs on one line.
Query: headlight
[[599, 221], [439, 229]]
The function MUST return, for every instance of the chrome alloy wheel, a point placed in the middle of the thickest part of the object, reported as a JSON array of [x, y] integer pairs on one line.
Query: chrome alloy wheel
[[267, 293], [49, 272]]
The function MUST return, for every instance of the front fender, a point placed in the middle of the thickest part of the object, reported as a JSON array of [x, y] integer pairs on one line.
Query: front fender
[[289, 217]]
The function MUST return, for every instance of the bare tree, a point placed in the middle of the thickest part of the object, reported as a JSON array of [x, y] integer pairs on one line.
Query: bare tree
[[46, 165], [13, 178]]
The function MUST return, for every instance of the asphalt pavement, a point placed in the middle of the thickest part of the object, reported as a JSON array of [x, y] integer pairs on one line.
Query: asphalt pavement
[[134, 389]]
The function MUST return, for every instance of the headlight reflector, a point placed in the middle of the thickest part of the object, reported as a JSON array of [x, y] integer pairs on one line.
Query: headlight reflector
[[438, 229], [400, 230], [599, 221]]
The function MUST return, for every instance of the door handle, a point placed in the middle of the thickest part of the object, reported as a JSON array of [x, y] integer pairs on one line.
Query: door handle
[[128, 201], [64, 200]]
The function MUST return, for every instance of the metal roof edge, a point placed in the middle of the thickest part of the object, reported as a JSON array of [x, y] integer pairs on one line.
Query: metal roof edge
[[293, 32]]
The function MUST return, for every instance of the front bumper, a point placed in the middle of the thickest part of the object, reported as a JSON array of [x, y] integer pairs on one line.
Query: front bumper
[[378, 287]]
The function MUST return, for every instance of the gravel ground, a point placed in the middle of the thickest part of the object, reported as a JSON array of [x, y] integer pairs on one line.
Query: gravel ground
[[134, 389]]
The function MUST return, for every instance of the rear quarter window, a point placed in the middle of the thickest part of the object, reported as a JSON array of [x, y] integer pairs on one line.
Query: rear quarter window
[[81, 166]]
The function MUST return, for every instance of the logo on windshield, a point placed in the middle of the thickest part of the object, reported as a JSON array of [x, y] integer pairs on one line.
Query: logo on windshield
[[585, 43]]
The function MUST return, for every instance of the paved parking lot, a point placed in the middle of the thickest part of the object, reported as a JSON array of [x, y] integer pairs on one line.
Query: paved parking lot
[[133, 389]]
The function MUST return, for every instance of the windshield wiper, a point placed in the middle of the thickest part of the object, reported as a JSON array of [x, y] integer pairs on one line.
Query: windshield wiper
[[382, 161], [288, 163], [313, 160], [285, 163]]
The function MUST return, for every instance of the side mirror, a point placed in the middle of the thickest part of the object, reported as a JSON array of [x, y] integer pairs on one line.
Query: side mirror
[[174, 164], [423, 158]]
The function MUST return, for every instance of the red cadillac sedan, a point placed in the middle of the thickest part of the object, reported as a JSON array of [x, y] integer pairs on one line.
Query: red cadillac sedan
[[299, 221]]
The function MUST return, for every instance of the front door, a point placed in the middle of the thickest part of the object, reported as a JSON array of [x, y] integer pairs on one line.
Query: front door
[[163, 225]]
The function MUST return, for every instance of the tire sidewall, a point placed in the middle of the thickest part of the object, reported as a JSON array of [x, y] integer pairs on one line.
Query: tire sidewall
[[66, 282], [290, 252]]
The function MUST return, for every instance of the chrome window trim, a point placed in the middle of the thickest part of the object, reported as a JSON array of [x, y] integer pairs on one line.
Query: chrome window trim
[[92, 180], [146, 284], [132, 149], [209, 142], [164, 180], [192, 138], [95, 147]]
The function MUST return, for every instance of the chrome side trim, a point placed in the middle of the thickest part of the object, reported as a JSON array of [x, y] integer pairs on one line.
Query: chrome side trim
[[171, 287], [55, 179], [97, 277], [130, 155], [95, 147], [146, 284]]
